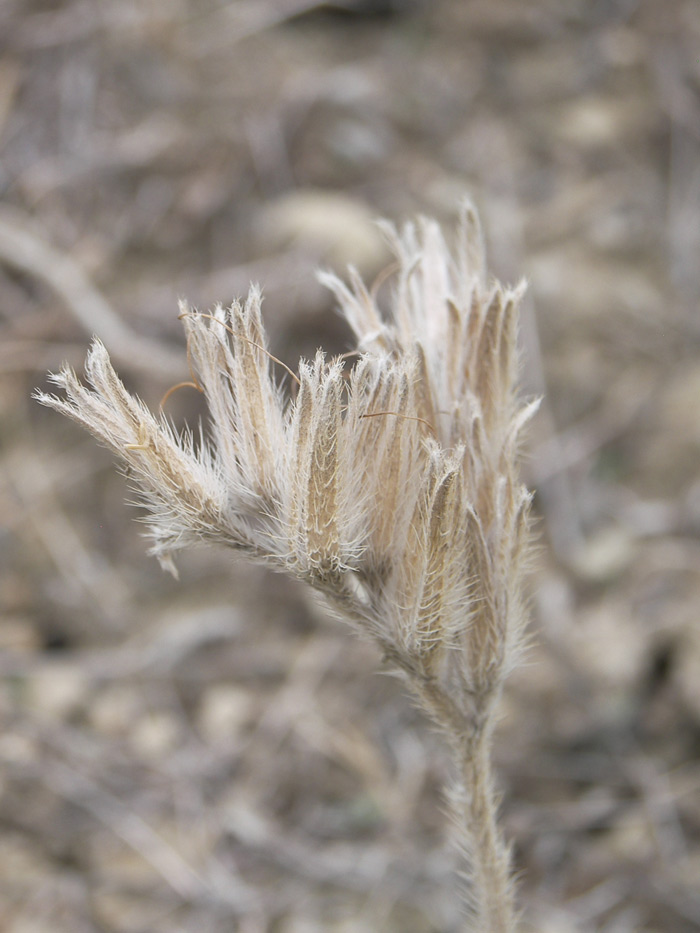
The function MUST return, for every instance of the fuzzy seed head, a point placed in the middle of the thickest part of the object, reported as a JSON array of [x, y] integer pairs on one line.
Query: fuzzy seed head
[[392, 489]]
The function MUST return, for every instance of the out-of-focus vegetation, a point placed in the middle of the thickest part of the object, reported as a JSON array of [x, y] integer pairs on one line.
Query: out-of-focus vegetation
[[215, 753]]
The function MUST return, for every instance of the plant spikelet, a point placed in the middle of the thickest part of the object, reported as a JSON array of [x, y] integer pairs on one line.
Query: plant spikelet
[[392, 488]]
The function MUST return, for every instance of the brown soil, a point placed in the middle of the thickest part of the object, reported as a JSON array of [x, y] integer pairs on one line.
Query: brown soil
[[216, 754]]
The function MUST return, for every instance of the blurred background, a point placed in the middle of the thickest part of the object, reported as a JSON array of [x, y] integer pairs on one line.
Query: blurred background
[[216, 754]]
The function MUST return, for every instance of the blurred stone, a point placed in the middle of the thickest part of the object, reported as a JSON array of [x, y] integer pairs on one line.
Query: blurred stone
[[155, 734], [592, 121], [56, 691], [631, 838], [605, 555], [590, 291], [612, 648], [114, 710], [358, 142], [334, 229], [223, 712]]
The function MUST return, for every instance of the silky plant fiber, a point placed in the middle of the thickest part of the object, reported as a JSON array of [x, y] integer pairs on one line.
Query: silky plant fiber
[[388, 481]]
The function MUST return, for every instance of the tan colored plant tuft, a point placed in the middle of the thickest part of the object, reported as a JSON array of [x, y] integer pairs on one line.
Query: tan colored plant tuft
[[393, 492]]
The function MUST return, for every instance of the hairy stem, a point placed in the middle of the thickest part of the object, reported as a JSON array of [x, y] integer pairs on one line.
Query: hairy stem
[[492, 891]]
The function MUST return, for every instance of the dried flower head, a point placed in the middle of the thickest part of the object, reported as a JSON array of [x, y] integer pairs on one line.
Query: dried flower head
[[392, 489]]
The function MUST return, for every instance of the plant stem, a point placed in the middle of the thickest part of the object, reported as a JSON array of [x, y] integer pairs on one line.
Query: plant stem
[[492, 891]]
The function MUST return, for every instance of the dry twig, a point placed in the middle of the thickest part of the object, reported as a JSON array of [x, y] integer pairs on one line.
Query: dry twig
[[24, 249]]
